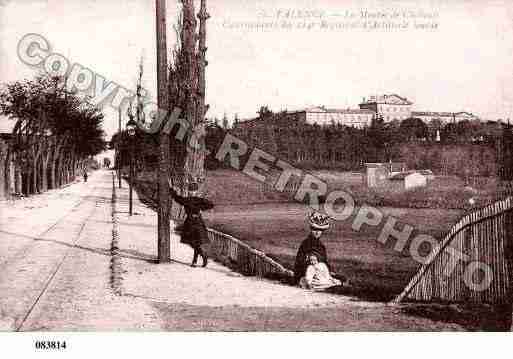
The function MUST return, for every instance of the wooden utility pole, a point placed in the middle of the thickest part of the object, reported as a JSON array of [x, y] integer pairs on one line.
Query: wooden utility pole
[[164, 250], [118, 154]]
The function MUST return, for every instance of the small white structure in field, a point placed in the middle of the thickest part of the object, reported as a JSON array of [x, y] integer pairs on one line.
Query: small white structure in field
[[378, 173], [428, 173], [410, 179]]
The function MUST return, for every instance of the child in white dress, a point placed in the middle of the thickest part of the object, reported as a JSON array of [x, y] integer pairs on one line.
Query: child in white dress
[[317, 275]]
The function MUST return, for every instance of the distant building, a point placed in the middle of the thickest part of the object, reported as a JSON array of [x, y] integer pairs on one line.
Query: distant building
[[322, 116], [394, 107], [377, 173], [391, 107], [444, 117], [409, 180]]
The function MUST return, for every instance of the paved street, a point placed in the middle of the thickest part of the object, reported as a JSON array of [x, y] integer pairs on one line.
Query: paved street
[[56, 274]]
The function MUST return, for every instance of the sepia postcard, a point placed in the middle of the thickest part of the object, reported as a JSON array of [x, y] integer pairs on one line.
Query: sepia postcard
[[294, 167]]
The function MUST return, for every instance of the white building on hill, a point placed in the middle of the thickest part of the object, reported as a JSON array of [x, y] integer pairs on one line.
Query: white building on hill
[[444, 117]]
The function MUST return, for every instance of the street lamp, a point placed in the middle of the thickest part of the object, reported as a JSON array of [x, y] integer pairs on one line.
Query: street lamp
[[131, 126]]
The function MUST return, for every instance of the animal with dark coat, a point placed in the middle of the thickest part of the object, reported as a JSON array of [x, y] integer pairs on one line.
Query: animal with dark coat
[[194, 231]]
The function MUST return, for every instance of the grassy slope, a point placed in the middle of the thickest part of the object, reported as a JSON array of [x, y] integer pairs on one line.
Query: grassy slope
[[377, 271], [272, 223]]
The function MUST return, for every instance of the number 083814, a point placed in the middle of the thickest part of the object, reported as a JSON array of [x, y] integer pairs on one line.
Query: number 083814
[[50, 345]]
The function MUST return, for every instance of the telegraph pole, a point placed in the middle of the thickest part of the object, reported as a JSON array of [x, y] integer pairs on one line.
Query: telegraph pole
[[118, 147], [164, 250]]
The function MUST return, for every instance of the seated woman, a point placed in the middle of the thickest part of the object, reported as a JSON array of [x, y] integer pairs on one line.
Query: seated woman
[[319, 223], [317, 275]]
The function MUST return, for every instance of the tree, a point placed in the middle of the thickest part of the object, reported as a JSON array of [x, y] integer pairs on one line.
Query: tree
[[413, 129], [459, 132], [505, 154], [54, 134], [225, 121], [187, 86], [377, 137], [264, 112]]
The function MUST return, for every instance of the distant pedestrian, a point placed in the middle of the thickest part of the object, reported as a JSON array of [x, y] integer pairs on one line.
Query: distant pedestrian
[[85, 175], [194, 231]]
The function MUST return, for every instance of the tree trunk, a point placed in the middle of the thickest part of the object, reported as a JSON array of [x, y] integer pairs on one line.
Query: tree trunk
[[3, 169], [44, 182], [59, 172], [195, 94], [34, 174], [18, 181], [54, 162], [9, 173], [53, 168]]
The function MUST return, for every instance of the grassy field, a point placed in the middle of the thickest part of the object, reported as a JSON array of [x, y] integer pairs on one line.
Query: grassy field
[[376, 270], [228, 187], [446, 192], [273, 223]]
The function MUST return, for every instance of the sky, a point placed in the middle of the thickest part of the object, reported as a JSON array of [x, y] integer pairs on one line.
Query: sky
[[462, 59]]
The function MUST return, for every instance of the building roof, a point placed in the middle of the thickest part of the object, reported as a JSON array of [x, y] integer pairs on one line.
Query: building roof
[[402, 175], [391, 99], [322, 109], [315, 109], [374, 164], [442, 114], [356, 111]]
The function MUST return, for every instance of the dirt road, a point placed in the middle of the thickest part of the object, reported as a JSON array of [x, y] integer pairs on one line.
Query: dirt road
[[54, 263]]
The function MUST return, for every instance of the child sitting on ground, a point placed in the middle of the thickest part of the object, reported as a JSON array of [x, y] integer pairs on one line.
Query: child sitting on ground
[[317, 275]]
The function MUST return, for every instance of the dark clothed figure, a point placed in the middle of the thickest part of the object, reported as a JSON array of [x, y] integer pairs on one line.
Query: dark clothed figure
[[194, 231], [308, 246], [85, 176]]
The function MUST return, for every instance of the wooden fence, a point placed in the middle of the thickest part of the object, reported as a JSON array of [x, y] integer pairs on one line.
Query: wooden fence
[[246, 260], [485, 236], [229, 250]]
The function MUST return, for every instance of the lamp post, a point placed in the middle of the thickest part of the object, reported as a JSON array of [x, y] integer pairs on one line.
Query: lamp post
[[131, 126]]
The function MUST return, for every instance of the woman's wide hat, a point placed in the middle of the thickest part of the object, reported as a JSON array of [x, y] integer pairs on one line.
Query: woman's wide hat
[[319, 221]]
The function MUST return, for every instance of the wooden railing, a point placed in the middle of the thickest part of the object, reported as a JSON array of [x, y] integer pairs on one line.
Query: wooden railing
[[485, 236], [244, 259]]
